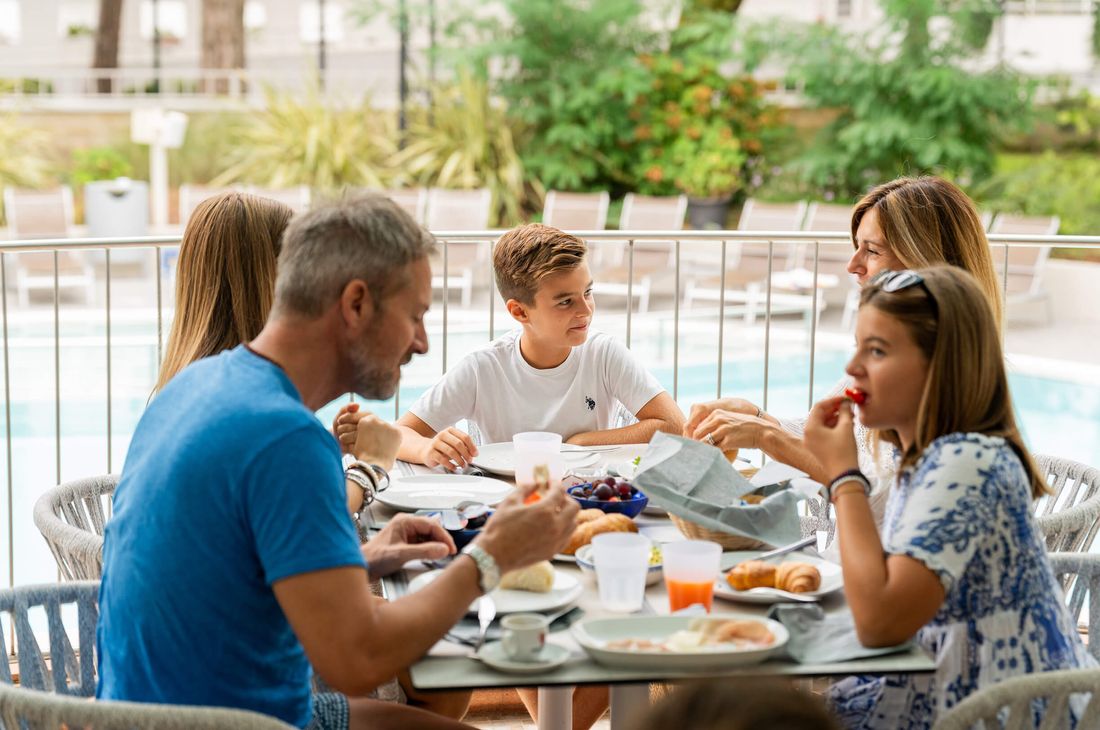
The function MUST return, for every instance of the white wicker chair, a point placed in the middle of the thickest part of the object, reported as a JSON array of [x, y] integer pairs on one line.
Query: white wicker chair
[[71, 517], [1080, 576], [1070, 517], [1015, 696]]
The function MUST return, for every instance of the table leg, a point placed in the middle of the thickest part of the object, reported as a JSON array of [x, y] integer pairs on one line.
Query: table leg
[[627, 700], [555, 708]]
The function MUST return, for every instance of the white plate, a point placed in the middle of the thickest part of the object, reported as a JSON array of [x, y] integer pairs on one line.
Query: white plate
[[567, 589], [594, 635], [442, 491], [551, 657], [832, 579], [500, 458], [563, 558]]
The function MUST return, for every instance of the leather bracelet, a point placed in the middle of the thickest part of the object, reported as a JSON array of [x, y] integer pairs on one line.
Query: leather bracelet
[[852, 475]]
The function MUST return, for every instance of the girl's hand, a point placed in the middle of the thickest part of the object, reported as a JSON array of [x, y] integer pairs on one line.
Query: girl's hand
[[830, 436]]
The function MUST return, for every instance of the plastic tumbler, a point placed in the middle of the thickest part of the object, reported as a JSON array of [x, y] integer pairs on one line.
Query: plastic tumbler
[[690, 568], [621, 560], [534, 449]]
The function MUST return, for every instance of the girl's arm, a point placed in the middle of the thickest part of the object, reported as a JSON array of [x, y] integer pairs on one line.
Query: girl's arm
[[891, 596]]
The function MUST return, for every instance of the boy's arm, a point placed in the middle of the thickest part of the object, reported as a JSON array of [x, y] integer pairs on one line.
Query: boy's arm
[[420, 444], [660, 414]]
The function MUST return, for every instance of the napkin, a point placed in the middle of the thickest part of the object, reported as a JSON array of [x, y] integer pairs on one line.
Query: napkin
[[820, 638], [694, 481]]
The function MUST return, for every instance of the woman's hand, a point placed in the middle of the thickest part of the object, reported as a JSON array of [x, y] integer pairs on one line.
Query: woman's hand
[[729, 430], [700, 412], [830, 436]]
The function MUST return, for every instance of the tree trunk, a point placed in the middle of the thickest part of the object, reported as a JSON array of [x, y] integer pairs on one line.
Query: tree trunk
[[106, 40], [222, 38]]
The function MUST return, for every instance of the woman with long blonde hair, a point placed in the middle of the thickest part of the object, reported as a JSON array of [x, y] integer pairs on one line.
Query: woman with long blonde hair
[[911, 222], [225, 278], [961, 565]]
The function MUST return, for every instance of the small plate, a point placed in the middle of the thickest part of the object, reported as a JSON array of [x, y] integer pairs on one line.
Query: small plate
[[500, 458], [552, 656], [563, 558], [567, 589], [442, 491], [832, 580]]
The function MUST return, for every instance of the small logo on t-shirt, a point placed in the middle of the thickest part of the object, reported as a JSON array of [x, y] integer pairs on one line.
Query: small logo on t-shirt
[[590, 403]]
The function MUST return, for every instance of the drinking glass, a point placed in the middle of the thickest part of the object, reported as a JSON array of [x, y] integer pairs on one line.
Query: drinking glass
[[621, 560], [690, 568], [537, 448]]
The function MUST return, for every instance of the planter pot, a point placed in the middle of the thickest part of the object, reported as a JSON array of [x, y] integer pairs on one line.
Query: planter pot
[[708, 213]]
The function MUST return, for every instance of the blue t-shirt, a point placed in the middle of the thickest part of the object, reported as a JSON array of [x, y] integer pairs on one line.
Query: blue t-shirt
[[230, 485]]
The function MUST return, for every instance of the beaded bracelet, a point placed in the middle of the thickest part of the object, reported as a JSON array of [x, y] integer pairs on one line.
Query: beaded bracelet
[[851, 475]]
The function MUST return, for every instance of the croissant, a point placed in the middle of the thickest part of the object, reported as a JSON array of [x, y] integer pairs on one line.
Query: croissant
[[797, 577], [583, 533], [751, 574], [587, 515]]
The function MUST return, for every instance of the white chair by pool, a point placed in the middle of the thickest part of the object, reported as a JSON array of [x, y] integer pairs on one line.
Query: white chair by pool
[[46, 214], [459, 210]]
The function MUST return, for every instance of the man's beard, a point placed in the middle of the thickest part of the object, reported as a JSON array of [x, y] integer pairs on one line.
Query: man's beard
[[369, 380]]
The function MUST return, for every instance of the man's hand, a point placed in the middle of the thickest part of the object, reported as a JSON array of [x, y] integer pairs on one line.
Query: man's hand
[[406, 538], [367, 437], [519, 535], [450, 448], [830, 436]]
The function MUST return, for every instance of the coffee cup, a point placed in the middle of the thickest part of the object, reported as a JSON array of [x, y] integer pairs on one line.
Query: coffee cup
[[524, 635]]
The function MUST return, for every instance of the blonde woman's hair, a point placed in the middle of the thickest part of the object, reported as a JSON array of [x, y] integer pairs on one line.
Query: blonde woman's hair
[[928, 221], [526, 255], [966, 391], [225, 279]]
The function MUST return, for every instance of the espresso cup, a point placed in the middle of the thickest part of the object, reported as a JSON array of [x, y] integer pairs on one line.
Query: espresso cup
[[524, 635]]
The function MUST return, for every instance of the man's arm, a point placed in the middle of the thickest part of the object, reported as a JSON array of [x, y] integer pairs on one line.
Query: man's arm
[[660, 414]]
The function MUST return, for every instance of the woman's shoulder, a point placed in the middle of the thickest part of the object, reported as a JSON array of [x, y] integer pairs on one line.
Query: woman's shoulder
[[967, 457]]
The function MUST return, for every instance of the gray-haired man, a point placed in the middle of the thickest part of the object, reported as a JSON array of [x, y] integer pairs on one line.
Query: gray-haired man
[[231, 565]]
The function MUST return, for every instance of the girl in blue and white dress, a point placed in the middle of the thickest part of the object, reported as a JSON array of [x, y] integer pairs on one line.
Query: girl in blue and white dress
[[960, 565]]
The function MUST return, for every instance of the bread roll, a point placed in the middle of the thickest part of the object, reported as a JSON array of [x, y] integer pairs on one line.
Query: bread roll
[[588, 515], [537, 578], [797, 577], [583, 533]]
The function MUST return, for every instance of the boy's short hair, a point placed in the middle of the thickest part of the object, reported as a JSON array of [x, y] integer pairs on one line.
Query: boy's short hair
[[526, 255]]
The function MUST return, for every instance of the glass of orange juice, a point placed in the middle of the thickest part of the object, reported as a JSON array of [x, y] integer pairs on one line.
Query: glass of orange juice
[[690, 568]]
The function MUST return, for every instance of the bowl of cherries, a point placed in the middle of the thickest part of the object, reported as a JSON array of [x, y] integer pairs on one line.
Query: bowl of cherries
[[610, 495]]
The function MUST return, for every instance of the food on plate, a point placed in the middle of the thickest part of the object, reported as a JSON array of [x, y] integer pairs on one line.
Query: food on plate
[[855, 395], [705, 634], [537, 578], [587, 515], [730, 454], [608, 489], [797, 577], [752, 498], [655, 555], [611, 522], [791, 577], [751, 574]]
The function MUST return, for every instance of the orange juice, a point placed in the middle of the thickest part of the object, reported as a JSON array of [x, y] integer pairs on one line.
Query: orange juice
[[532, 498], [682, 594]]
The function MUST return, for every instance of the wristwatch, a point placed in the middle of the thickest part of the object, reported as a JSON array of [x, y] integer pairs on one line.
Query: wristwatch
[[488, 571]]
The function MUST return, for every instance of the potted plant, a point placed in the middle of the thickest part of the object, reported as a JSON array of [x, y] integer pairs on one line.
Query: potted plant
[[698, 132]]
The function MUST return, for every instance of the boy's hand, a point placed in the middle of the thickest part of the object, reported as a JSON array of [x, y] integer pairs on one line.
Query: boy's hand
[[450, 448], [368, 438], [343, 426]]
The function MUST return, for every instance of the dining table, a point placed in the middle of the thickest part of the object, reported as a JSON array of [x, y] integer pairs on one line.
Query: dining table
[[450, 665]]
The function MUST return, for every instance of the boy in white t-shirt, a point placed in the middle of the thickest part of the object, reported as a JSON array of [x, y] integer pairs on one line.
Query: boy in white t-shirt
[[551, 376]]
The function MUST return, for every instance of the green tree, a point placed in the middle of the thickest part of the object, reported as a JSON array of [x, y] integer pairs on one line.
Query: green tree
[[910, 104]]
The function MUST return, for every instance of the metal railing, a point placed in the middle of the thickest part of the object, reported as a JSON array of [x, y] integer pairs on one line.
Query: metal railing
[[630, 242]]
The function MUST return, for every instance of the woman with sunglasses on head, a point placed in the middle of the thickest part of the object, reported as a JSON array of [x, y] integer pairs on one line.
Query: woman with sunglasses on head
[[961, 564], [905, 223]]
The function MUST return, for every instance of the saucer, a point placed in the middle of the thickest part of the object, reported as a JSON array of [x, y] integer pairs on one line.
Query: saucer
[[552, 656]]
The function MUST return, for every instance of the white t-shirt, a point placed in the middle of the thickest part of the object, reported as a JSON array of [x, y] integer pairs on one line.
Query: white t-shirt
[[500, 394]]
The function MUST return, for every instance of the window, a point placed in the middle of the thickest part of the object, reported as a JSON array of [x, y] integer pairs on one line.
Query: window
[[171, 19], [255, 15], [843, 8], [309, 17], [77, 18], [10, 21]]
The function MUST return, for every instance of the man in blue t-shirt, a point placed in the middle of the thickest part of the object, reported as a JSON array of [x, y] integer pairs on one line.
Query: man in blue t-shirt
[[231, 564]]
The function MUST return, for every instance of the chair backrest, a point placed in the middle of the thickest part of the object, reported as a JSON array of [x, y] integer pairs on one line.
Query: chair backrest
[[827, 218], [39, 213], [1025, 263], [21, 707], [66, 673], [192, 195], [1009, 702], [653, 213], [459, 210], [413, 201], [296, 197], [1079, 574], [576, 211], [758, 216], [71, 517], [1069, 518]]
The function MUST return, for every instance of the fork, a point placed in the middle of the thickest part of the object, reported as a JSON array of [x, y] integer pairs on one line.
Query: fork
[[486, 612]]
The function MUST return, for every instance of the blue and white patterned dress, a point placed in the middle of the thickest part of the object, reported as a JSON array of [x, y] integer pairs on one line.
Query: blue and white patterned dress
[[964, 511]]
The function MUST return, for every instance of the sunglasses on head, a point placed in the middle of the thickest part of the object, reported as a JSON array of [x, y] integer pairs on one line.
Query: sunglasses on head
[[895, 281]]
